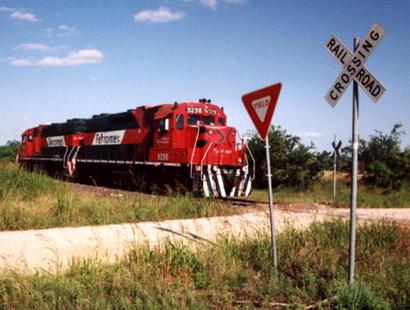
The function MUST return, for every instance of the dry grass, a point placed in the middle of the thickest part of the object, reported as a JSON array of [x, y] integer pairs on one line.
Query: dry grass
[[232, 274]]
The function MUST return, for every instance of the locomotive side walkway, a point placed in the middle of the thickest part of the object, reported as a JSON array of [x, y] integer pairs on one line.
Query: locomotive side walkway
[[52, 249]]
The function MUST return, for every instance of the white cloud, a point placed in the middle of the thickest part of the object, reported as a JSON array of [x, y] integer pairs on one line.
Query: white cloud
[[66, 30], [311, 134], [81, 57], [235, 1], [19, 14], [210, 3], [214, 3], [6, 9], [19, 62], [76, 58], [35, 47], [161, 15], [23, 16], [61, 31]]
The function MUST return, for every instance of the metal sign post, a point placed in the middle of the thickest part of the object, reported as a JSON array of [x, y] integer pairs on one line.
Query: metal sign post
[[336, 154], [334, 173], [355, 142], [260, 105], [271, 211], [354, 70]]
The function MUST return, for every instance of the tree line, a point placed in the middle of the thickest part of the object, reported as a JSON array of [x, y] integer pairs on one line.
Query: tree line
[[9, 150], [296, 165]]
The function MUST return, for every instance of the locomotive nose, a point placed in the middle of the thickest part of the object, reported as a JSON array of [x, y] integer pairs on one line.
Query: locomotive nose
[[211, 134]]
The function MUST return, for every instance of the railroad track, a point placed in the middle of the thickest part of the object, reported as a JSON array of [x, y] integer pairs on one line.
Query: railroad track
[[241, 201], [113, 191]]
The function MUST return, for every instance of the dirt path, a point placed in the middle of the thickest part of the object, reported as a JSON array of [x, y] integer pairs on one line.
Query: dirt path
[[52, 249]]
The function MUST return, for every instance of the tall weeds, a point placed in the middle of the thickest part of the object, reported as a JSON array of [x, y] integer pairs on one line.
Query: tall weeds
[[232, 273], [31, 200]]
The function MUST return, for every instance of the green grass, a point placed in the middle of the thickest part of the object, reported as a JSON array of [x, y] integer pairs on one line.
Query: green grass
[[232, 274], [322, 192], [30, 200], [26, 186]]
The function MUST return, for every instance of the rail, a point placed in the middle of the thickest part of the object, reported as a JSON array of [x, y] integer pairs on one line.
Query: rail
[[241, 201]]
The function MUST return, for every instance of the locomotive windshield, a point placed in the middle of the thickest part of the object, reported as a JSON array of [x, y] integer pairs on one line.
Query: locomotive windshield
[[193, 119], [199, 120], [208, 120]]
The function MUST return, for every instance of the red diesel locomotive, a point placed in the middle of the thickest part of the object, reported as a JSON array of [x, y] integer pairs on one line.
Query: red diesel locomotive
[[182, 145]]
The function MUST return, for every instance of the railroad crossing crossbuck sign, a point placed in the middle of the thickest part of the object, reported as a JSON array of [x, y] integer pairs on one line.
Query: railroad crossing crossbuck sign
[[336, 148], [353, 66], [353, 69]]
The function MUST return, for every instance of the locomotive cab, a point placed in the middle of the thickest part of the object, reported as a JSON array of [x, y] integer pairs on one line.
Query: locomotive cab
[[196, 135], [27, 144]]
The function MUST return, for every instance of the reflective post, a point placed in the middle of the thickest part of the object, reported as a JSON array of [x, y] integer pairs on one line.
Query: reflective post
[[334, 171], [355, 144], [271, 210]]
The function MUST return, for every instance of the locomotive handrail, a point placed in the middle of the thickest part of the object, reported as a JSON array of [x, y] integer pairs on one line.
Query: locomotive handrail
[[65, 154], [253, 160], [206, 153], [246, 157], [76, 153], [71, 152], [193, 152]]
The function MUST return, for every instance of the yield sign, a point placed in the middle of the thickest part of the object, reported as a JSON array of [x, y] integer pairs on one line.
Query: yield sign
[[260, 105]]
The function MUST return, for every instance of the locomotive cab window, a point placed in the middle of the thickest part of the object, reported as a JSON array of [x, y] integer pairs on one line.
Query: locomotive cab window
[[221, 121], [179, 122], [193, 120], [164, 125], [208, 120], [23, 139]]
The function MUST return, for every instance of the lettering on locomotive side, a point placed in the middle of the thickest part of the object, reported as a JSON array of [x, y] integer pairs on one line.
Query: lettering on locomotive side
[[57, 141], [212, 111], [163, 140], [194, 110], [162, 157], [108, 137]]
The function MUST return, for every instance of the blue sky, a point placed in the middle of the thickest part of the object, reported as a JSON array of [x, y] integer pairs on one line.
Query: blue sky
[[65, 59]]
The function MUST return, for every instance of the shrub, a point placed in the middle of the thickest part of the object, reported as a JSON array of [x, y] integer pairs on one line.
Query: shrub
[[9, 150], [293, 164], [359, 296], [385, 164]]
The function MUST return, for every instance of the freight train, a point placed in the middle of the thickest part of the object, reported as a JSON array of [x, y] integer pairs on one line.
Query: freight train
[[184, 146]]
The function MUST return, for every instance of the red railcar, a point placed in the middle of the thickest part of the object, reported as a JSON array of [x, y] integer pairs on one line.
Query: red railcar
[[183, 145]]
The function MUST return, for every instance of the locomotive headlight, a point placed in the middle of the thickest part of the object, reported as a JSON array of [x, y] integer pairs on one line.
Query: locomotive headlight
[[239, 160], [210, 132]]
